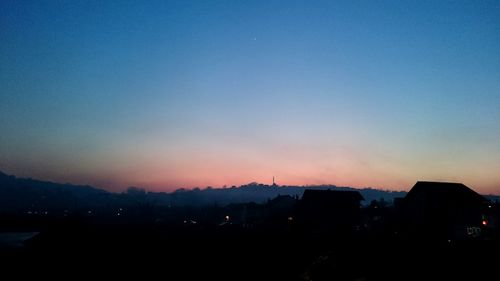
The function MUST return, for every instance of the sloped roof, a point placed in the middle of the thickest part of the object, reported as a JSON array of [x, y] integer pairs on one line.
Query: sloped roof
[[282, 200], [331, 195], [445, 191]]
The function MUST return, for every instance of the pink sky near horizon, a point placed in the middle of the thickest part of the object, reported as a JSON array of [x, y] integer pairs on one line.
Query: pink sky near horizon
[[159, 169]]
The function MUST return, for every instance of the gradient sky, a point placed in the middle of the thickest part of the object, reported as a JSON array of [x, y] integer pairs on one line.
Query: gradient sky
[[175, 94]]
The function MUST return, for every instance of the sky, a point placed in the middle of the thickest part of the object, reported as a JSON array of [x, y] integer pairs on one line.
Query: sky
[[170, 94]]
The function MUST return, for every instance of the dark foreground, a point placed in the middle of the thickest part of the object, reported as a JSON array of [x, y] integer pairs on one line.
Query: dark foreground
[[193, 252]]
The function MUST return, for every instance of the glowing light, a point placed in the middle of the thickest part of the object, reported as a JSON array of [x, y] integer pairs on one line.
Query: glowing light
[[290, 218], [227, 218], [485, 222]]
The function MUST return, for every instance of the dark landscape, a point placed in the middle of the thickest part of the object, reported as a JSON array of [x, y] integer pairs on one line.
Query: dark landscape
[[436, 231]]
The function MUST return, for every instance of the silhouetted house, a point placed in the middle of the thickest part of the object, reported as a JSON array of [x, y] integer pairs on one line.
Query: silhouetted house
[[280, 210], [282, 202], [329, 210], [444, 211]]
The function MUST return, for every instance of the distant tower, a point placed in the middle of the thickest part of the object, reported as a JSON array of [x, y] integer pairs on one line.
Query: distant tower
[[274, 184]]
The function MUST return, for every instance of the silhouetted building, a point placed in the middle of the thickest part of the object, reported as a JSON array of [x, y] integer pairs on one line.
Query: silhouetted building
[[282, 202], [328, 210], [444, 211]]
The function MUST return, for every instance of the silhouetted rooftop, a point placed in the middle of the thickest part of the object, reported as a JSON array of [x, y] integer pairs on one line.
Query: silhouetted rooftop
[[329, 195], [443, 191]]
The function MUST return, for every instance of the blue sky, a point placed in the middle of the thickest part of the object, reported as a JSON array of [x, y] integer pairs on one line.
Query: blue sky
[[173, 94]]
